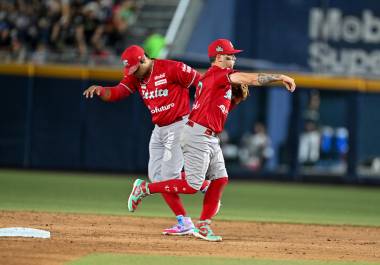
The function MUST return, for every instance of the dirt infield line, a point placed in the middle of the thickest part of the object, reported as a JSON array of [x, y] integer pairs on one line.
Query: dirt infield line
[[76, 235]]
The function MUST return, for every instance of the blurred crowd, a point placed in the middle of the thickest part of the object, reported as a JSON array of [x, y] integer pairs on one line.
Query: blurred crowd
[[34, 29], [251, 151], [321, 147]]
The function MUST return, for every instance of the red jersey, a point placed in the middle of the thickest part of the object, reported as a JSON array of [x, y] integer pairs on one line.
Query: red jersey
[[165, 91], [213, 99]]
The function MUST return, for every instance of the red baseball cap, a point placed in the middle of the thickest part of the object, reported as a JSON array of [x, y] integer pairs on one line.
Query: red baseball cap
[[221, 46], [131, 58]]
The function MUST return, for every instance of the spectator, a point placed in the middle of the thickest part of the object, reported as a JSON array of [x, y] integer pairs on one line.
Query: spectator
[[334, 148], [5, 37], [89, 29], [34, 28], [230, 150], [255, 148], [309, 145], [40, 54], [124, 15]]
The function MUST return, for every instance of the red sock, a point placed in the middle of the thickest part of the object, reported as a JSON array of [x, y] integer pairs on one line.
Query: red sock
[[212, 197], [175, 203], [205, 184], [171, 186]]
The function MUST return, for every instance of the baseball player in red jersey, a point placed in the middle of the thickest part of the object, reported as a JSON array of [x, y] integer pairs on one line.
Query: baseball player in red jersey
[[164, 88], [200, 144]]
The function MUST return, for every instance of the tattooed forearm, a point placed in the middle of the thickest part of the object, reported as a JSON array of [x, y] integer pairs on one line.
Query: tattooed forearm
[[264, 79]]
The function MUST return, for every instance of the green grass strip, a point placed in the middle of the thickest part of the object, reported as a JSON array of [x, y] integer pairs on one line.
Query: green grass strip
[[250, 201], [117, 259]]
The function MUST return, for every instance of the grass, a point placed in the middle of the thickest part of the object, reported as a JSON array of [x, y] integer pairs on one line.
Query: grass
[[274, 202], [112, 259]]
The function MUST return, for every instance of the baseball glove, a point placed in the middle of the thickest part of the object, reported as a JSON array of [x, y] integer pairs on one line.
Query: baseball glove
[[240, 92]]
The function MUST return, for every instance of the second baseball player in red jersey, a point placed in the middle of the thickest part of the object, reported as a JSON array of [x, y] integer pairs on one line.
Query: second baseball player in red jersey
[[214, 100]]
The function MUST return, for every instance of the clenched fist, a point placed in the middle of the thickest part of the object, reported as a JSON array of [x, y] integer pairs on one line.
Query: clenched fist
[[288, 82]]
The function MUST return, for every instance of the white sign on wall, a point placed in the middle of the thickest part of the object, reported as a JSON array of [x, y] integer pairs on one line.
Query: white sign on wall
[[338, 41]]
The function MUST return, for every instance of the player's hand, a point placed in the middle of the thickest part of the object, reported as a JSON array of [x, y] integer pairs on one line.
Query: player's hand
[[94, 89], [288, 82]]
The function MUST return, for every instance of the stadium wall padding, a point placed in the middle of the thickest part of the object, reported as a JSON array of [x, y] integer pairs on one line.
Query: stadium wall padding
[[60, 129], [46, 122]]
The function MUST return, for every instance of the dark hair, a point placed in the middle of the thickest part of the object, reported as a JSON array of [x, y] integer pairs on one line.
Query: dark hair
[[212, 59], [142, 60]]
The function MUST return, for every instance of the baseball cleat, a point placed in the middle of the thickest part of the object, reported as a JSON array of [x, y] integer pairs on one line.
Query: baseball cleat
[[138, 192], [203, 231], [184, 226]]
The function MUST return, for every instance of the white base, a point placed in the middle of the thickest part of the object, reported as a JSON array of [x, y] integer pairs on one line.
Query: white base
[[24, 232]]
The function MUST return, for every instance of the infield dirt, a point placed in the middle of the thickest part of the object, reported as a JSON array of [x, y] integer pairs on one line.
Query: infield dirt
[[77, 235]]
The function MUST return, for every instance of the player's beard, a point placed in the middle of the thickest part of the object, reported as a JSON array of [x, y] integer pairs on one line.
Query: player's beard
[[143, 70]]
